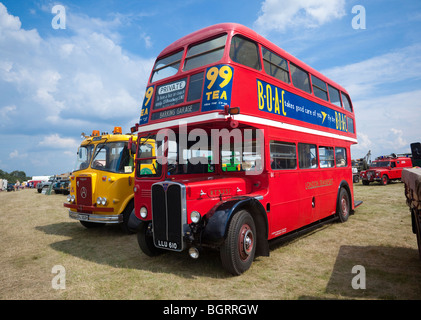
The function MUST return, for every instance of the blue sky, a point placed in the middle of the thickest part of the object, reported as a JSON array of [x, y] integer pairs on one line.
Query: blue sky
[[56, 83]]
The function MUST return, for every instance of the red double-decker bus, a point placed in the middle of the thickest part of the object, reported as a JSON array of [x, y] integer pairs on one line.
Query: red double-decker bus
[[249, 144]]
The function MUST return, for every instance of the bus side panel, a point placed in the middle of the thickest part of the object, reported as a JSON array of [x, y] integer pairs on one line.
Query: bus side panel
[[285, 204]]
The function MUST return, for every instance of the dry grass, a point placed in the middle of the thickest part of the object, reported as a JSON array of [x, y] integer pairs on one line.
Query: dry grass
[[37, 234]]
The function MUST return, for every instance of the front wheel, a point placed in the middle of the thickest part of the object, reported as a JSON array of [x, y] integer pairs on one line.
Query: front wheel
[[145, 240], [417, 228], [126, 216], [343, 206], [385, 180], [238, 250]]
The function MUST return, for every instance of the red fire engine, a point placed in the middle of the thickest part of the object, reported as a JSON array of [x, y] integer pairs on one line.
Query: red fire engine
[[385, 169]]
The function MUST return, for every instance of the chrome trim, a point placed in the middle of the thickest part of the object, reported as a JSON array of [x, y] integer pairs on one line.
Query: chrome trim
[[99, 218], [183, 210]]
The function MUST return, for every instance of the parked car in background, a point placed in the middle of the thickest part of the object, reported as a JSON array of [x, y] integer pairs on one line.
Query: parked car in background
[[385, 169]]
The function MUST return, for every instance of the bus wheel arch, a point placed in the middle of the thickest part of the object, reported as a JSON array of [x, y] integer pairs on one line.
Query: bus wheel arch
[[220, 218], [258, 213]]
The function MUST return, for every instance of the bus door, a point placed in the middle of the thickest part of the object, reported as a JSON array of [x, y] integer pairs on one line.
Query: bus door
[[283, 186], [326, 189], [308, 183]]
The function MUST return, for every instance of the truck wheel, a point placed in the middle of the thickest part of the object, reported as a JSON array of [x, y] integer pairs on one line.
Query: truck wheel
[[126, 216], [385, 179], [417, 221], [356, 179], [91, 225], [145, 241], [238, 250], [365, 182], [343, 207]]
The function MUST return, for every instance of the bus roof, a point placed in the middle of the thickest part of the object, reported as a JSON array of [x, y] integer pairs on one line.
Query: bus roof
[[235, 28]]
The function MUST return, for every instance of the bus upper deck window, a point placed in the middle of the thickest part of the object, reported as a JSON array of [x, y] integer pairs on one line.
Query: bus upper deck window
[[319, 88], [275, 65], [166, 67], [334, 95], [205, 53], [300, 78], [346, 103], [245, 52]]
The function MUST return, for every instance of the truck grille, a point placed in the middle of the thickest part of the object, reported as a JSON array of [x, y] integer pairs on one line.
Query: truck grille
[[84, 191], [168, 215]]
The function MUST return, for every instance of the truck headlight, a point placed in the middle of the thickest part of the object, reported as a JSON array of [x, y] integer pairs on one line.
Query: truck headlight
[[195, 216], [101, 201], [143, 212]]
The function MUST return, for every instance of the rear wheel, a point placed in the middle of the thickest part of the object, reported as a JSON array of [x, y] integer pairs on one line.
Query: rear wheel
[[343, 206], [238, 250]]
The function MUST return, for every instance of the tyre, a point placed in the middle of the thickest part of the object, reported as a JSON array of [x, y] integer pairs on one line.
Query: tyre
[[385, 180], [356, 179], [343, 207], [238, 250], [365, 182], [417, 227], [126, 216], [91, 225], [145, 240]]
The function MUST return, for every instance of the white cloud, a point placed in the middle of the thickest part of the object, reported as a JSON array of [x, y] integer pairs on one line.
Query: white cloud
[[4, 114], [64, 84], [86, 76], [279, 15], [55, 141], [361, 78], [14, 154]]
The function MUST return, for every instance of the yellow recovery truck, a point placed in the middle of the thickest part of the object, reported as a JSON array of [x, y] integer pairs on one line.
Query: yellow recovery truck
[[101, 185]]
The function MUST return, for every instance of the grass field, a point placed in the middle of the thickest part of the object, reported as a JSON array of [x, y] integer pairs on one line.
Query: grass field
[[37, 234]]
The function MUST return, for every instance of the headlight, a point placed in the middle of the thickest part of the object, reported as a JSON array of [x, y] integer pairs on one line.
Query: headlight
[[70, 198], [195, 216], [143, 212], [101, 201]]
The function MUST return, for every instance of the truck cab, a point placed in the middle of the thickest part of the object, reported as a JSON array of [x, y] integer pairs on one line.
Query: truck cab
[[101, 185], [385, 169]]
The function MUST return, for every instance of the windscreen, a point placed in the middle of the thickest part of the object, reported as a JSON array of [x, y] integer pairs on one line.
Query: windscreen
[[113, 157], [83, 158]]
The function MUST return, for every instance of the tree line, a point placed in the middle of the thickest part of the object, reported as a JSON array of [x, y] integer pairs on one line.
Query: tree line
[[14, 175]]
